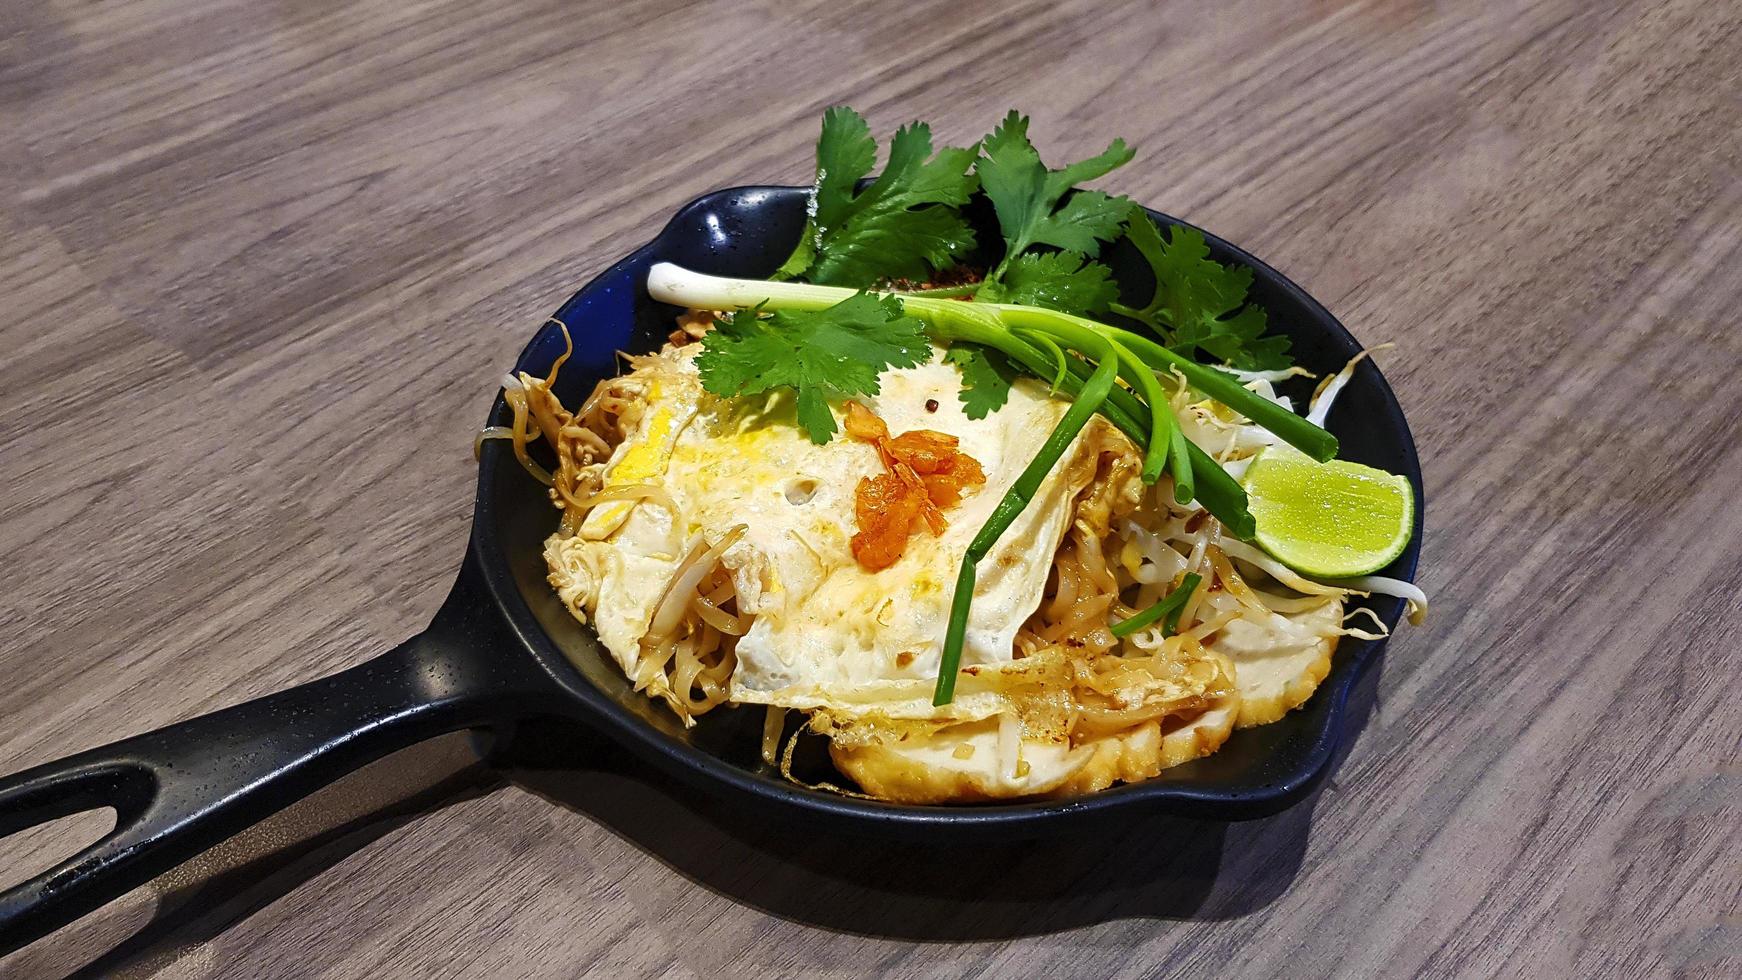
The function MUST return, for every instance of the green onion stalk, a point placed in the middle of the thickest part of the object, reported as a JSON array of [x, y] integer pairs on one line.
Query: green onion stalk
[[1087, 402], [1169, 606]]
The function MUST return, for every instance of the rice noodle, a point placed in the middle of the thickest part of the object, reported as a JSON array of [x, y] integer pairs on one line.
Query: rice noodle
[[489, 432], [1103, 721], [518, 435], [681, 589], [1195, 566], [1152, 642], [1233, 583], [773, 723], [723, 621], [1094, 563], [1082, 617], [1211, 625]]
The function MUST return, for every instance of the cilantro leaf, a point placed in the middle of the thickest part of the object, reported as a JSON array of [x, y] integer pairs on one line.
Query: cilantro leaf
[[1116, 155], [1083, 221], [883, 244], [901, 226], [986, 378], [1056, 280], [1026, 195], [1198, 302], [845, 153], [819, 355]]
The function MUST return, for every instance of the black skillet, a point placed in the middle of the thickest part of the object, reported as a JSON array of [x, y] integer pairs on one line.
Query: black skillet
[[502, 648]]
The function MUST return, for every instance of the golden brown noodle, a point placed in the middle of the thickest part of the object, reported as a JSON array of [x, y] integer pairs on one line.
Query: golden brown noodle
[[773, 723], [684, 659], [689, 663], [719, 619], [1235, 585]]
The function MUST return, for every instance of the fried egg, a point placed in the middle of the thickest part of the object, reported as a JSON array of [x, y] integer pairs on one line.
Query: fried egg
[[1280, 659], [827, 634], [966, 763]]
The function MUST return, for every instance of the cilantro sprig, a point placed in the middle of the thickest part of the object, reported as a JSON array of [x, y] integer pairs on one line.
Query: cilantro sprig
[[1199, 304], [1036, 206], [819, 355], [903, 225], [1031, 201]]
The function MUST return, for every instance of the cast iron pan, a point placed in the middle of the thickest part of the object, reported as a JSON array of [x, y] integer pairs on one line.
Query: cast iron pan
[[502, 648]]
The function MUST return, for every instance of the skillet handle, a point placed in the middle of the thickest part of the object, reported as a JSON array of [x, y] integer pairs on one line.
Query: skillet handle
[[187, 787]]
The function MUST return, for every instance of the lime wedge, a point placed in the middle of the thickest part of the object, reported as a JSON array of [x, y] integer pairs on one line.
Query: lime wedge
[[1331, 520]]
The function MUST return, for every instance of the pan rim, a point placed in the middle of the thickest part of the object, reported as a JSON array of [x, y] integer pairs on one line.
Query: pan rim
[[710, 773]]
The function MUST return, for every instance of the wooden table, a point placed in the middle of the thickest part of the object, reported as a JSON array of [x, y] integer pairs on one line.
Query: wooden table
[[263, 262]]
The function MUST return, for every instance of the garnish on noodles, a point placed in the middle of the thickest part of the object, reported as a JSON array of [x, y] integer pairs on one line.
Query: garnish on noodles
[[924, 473], [986, 546]]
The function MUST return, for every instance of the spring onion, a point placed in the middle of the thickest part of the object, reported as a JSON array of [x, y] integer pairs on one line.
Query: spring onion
[[1087, 402], [1170, 606]]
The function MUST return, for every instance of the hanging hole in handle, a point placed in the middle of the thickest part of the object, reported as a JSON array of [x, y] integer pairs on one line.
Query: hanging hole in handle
[[44, 811], [30, 852]]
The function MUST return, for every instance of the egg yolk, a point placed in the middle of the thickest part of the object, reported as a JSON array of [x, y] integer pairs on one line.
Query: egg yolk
[[640, 464]]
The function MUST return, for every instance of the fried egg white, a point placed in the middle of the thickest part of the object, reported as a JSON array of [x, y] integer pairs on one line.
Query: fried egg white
[[965, 762], [1280, 659], [827, 633]]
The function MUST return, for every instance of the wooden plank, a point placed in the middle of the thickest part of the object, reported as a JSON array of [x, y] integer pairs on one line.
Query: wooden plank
[[262, 264]]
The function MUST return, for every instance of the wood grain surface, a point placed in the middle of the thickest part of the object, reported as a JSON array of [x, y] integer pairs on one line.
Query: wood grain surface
[[261, 263]]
